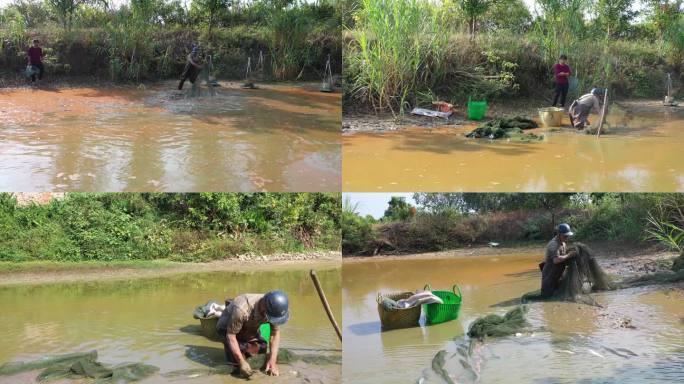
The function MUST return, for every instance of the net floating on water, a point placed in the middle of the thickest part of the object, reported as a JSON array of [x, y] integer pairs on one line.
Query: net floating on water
[[498, 326]]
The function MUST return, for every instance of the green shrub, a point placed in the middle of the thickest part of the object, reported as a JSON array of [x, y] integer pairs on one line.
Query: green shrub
[[132, 226]]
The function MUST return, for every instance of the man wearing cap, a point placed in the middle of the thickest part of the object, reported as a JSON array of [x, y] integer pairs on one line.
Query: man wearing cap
[[556, 261], [581, 108], [239, 325]]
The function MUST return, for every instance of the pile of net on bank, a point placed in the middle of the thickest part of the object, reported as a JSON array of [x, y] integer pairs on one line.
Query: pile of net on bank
[[80, 366], [506, 128]]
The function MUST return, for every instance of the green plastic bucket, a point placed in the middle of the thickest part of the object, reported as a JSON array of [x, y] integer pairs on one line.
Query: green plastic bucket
[[573, 84], [441, 313], [476, 109], [265, 331]]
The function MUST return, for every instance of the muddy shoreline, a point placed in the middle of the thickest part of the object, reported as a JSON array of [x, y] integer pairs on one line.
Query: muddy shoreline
[[360, 121], [276, 262], [367, 121], [618, 259]]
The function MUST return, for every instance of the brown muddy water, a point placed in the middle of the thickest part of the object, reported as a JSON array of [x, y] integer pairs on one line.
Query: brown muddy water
[[556, 349], [645, 155], [276, 138], [150, 321]]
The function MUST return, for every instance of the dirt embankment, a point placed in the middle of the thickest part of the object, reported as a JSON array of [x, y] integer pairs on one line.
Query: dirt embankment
[[66, 272], [359, 121], [383, 122], [618, 259]]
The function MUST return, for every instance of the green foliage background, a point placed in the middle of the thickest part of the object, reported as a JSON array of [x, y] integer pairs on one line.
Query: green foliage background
[[455, 220], [180, 227], [150, 39], [403, 53]]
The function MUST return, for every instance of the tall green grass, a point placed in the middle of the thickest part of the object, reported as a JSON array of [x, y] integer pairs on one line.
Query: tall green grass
[[401, 53], [396, 50], [130, 43], [289, 29]]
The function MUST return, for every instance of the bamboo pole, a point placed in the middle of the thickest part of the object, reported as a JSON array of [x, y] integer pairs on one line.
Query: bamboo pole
[[603, 114], [324, 301]]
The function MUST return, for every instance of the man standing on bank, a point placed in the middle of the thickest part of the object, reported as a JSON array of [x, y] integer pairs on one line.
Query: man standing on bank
[[35, 60], [561, 72], [239, 326]]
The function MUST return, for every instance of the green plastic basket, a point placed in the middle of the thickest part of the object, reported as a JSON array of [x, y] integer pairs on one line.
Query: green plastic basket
[[440, 313], [476, 109], [265, 331]]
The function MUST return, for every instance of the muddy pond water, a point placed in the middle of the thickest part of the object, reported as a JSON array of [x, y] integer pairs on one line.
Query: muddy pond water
[[643, 153], [565, 343], [281, 137], [150, 321]]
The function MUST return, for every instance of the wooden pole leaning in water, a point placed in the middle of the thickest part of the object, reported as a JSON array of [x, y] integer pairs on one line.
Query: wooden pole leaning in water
[[603, 114], [324, 301]]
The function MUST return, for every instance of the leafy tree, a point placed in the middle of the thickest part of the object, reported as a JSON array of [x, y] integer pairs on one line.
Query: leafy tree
[[65, 10], [398, 209], [33, 11], [440, 202], [209, 11], [473, 11], [491, 202], [614, 16], [512, 15]]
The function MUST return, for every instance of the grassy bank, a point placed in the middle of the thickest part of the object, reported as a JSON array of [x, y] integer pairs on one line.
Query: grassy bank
[[150, 39], [128, 227], [400, 54], [453, 221]]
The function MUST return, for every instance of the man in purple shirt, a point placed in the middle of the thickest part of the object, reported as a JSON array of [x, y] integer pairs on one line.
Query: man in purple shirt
[[561, 71], [35, 59]]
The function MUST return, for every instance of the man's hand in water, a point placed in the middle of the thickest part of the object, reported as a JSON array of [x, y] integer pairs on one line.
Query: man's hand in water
[[272, 368], [245, 369]]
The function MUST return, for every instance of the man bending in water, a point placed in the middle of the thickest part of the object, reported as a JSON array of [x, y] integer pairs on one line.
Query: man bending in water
[[239, 326], [192, 67], [581, 108], [555, 261]]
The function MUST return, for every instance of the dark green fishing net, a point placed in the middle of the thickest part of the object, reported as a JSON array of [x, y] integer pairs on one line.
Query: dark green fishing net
[[498, 326], [503, 127], [86, 366]]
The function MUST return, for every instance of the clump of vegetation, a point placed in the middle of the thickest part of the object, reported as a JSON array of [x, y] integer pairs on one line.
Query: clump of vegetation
[[182, 227], [149, 39], [454, 220], [401, 53]]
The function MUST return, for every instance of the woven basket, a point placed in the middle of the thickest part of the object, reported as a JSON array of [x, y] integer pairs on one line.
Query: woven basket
[[398, 318], [209, 328]]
